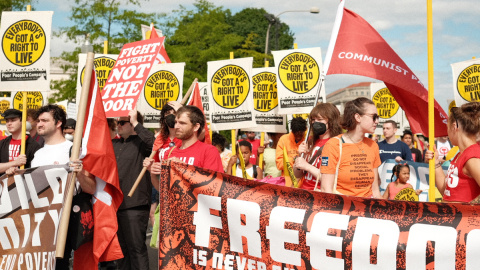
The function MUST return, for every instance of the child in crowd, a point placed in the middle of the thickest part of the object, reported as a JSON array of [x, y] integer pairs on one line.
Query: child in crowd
[[402, 172], [245, 149]]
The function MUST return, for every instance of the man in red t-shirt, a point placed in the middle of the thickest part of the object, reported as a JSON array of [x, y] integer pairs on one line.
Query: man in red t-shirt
[[10, 146], [189, 123]]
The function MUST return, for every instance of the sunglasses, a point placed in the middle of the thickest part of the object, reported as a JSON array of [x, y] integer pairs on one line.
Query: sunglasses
[[374, 116], [123, 122]]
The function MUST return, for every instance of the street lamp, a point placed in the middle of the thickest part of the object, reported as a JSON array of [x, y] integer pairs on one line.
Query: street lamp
[[273, 19]]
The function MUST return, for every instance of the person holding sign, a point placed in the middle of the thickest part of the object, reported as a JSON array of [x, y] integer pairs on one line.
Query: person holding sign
[[245, 149], [10, 147], [462, 182], [350, 161], [324, 123], [402, 173]]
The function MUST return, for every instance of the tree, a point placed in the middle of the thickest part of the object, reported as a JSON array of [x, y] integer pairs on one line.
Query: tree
[[199, 36], [109, 20], [14, 5], [252, 23]]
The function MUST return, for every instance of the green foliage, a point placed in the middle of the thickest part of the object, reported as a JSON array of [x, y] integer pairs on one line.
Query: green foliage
[[15, 5], [111, 20]]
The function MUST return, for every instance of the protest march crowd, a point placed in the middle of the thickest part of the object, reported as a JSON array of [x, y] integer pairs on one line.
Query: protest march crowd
[[337, 156]]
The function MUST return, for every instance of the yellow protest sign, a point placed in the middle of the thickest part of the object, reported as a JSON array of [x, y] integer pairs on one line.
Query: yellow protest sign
[[386, 104], [4, 105], [230, 86], [103, 66], [299, 72], [265, 91], [468, 83], [160, 88], [24, 43], [407, 194], [34, 100]]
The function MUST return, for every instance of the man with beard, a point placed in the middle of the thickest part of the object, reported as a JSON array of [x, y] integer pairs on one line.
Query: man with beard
[[10, 147], [189, 124]]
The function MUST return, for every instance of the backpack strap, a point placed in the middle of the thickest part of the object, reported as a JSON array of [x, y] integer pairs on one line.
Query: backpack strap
[[255, 171]]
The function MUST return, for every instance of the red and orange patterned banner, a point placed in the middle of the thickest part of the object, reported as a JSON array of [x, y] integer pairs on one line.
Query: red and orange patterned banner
[[211, 220]]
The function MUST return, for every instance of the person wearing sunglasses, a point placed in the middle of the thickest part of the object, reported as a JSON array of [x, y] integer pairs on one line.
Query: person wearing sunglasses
[[462, 182], [391, 147], [357, 156]]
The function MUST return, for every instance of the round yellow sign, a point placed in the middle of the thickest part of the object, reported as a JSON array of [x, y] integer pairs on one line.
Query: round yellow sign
[[34, 100], [386, 104], [451, 105], [160, 88], [4, 105], [407, 194], [23, 43], [298, 72], [468, 83], [103, 66], [265, 91], [230, 86]]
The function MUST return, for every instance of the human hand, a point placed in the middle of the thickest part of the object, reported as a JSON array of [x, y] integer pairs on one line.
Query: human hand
[[11, 171], [398, 159], [260, 150], [175, 104], [132, 114], [76, 165], [147, 162], [300, 163], [156, 167], [21, 160], [303, 148]]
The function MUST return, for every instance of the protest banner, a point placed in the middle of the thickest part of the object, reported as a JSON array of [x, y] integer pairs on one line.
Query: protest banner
[[387, 108], [5, 103], [265, 102], [298, 77], [205, 99], [164, 84], [25, 61], [126, 80], [419, 177], [466, 81], [147, 30], [35, 100], [30, 209], [231, 93], [211, 220]]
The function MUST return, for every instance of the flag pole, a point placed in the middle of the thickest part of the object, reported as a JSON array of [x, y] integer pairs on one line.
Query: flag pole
[[262, 134], [144, 169], [234, 139], [431, 102], [77, 140]]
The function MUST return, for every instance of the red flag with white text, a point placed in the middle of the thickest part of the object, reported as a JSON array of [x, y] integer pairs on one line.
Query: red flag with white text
[[99, 159], [196, 100], [357, 48]]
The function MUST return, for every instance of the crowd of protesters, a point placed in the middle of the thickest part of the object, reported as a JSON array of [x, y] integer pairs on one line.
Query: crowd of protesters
[[336, 156]]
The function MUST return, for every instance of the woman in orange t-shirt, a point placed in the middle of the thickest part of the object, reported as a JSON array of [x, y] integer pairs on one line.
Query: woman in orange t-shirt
[[359, 160]]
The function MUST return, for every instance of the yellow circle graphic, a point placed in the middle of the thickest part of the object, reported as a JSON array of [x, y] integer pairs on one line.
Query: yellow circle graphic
[[23, 43], [468, 83], [160, 88], [451, 105], [230, 86], [386, 104], [103, 67], [265, 91], [298, 72], [4, 105], [34, 100], [407, 194]]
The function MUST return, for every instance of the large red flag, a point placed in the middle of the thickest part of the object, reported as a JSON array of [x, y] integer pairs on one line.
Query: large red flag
[[196, 100], [99, 159], [162, 56], [357, 48]]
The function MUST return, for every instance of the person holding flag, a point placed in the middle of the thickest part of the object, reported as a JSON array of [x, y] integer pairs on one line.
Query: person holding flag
[[350, 161], [245, 168]]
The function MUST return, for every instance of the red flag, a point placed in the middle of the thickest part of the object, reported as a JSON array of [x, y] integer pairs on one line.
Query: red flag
[[99, 159], [196, 100], [162, 56], [357, 48]]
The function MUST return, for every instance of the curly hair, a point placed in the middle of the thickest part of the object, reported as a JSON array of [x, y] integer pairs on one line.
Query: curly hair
[[57, 112]]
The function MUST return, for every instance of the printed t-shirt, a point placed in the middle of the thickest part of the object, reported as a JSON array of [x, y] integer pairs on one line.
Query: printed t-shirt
[[14, 149], [460, 187], [198, 154], [165, 148], [310, 180], [392, 150], [356, 172], [52, 154]]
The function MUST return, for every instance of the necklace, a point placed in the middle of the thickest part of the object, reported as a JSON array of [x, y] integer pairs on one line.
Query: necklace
[[355, 143]]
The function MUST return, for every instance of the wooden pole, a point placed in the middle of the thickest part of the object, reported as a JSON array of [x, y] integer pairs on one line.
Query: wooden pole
[[24, 126], [144, 169], [431, 102], [77, 140]]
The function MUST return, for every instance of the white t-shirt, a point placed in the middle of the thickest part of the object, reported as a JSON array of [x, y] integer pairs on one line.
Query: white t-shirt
[[52, 154]]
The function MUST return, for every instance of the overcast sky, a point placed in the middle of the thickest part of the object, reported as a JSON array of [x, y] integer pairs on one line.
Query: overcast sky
[[401, 23]]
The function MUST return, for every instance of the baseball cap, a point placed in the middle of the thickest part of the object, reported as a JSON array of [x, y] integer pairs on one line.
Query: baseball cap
[[12, 113]]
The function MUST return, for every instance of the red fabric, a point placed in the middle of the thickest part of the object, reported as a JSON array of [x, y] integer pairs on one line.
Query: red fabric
[[14, 149], [196, 101], [99, 160], [459, 186], [358, 39], [310, 180], [166, 148], [198, 154], [255, 144], [162, 56]]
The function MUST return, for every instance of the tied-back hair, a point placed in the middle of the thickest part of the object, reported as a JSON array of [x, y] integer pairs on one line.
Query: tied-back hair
[[397, 168], [195, 115], [353, 107], [467, 116]]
